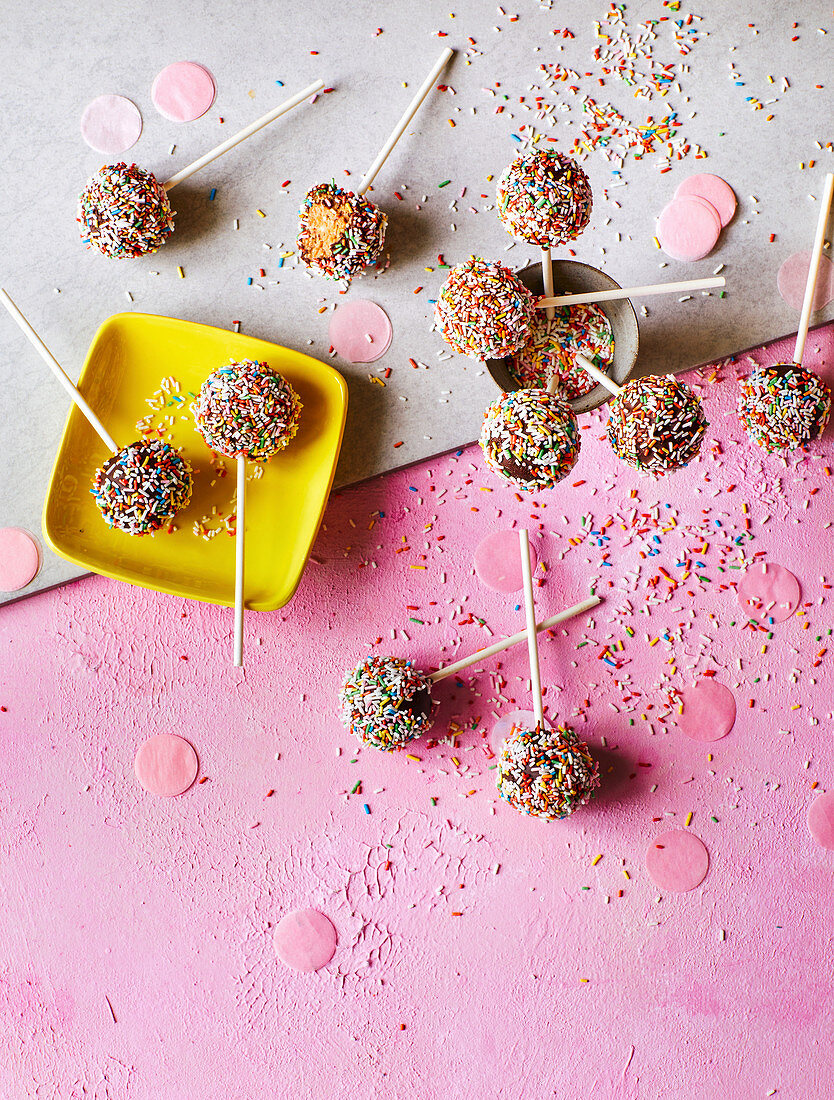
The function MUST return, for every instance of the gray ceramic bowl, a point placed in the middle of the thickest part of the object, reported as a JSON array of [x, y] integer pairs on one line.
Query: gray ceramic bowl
[[572, 277]]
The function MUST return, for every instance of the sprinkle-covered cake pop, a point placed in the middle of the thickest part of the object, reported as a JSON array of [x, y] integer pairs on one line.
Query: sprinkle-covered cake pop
[[124, 211], [544, 198], [546, 773], [784, 406], [483, 310], [386, 702], [141, 487], [549, 351], [340, 233], [530, 438], [247, 410], [656, 424]]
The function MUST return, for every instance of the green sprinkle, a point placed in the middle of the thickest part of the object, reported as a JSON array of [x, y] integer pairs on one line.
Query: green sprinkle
[[444, 183], [357, 786]]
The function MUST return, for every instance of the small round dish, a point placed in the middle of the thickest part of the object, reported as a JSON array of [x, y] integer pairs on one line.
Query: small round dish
[[572, 277]]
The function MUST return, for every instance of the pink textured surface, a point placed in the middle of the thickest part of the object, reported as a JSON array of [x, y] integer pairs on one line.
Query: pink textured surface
[[168, 907]]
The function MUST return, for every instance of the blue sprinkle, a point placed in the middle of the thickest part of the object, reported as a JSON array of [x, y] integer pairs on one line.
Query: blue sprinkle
[[212, 193], [280, 83], [249, 281], [515, 137], [366, 808], [413, 488]]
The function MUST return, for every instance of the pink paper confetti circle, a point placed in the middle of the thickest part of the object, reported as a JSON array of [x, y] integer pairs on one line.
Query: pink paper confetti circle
[[677, 861], [688, 228], [709, 710], [821, 820], [111, 124], [497, 561], [793, 274], [305, 940], [769, 592], [20, 559], [360, 331], [183, 91], [166, 765], [716, 191]]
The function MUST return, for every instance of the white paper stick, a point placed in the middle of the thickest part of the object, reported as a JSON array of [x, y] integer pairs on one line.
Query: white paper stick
[[547, 279], [532, 640], [58, 371], [243, 134], [632, 292], [411, 111], [240, 524], [813, 270], [514, 639], [597, 374]]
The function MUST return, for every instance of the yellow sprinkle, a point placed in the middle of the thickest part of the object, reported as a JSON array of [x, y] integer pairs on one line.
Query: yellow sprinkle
[[596, 860], [411, 756], [796, 706], [709, 756], [584, 979], [688, 818], [417, 567], [180, 272], [455, 761], [627, 875], [656, 242], [654, 642], [260, 213], [323, 309]]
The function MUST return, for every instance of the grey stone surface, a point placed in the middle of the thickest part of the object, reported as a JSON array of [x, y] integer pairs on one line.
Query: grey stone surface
[[56, 58]]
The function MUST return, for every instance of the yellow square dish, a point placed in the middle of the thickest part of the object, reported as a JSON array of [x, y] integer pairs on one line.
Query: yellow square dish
[[129, 358]]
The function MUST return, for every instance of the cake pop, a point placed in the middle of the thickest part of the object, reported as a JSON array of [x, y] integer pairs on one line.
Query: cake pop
[[247, 410], [783, 406], [544, 198], [546, 773], [552, 344], [124, 211], [656, 424], [140, 488], [530, 438], [386, 702], [340, 233], [483, 310]]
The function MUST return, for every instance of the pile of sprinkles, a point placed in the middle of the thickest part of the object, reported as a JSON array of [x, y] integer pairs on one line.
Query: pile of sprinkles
[[656, 424], [544, 198], [141, 487], [483, 310], [340, 233], [124, 212], [247, 410], [386, 702], [530, 438], [546, 773], [550, 350], [783, 406]]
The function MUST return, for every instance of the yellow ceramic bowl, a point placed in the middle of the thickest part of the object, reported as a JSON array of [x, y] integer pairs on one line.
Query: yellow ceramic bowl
[[129, 358]]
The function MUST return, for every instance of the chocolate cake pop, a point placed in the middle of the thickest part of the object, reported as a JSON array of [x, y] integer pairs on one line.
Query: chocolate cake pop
[[140, 488], [530, 438], [783, 406], [546, 773], [247, 410], [386, 702], [656, 424], [483, 310], [340, 233], [124, 212], [544, 198]]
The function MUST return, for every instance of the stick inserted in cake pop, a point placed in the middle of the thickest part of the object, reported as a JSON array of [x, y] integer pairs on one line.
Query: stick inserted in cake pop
[[532, 639], [590, 296], [813, 270]]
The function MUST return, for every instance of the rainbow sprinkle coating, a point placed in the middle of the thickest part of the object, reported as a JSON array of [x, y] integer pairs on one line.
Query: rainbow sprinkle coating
[[546, 773], [386, 702], [340, 233], [544, 198], [247, 410], [530, 438], [656, 424], [140, 487], [483, 310], [784, 406], [549, 351], [124, 212]]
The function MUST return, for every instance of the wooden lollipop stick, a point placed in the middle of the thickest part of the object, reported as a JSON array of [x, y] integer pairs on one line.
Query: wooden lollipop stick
[[532, 640], [58, 371], [813, 270], [505, 643], [630, 292], [411, 111], [597, 374], [243, 134], [240, 524], [547, 279]]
